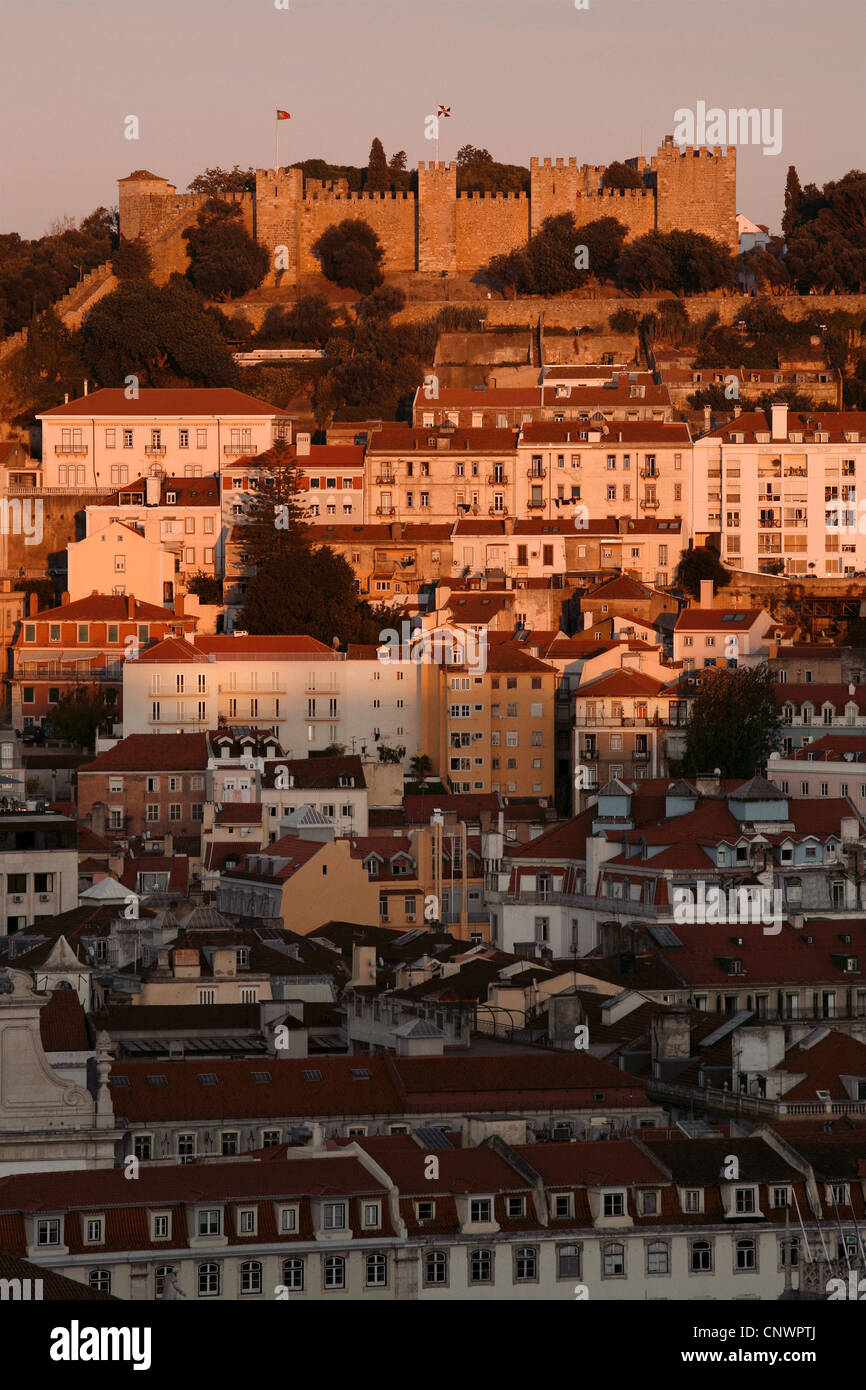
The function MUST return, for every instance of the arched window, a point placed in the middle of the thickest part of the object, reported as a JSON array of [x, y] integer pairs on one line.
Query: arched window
[[161, 1274], [701, 1256], [251, 1276], [480, 1267], [613, 1260], [335, 1272], [377, 1271], [746, 1254], [208, 1280], [436, 1267], [525, 1263], [658, 1257], [100, 1279], [293, 1274]]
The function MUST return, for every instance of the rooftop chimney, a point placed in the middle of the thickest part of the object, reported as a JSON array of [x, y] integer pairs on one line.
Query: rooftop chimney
[[86, 384], [302, 444], [708, 418], [32, 605], [706, 600], [779, 416], [153, 489], [130, 606]]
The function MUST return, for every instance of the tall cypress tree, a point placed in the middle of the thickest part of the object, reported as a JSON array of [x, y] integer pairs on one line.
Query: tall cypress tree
[[793, 202], [378, 179]]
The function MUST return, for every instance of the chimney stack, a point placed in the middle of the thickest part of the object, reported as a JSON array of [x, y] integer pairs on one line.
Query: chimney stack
[[779, 416], [130, 606], [302, 444], [32, 605], [706, 600], [153, 489], [708, 418]]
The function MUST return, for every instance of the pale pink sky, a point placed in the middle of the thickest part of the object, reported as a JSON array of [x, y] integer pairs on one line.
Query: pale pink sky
[[522, 77]]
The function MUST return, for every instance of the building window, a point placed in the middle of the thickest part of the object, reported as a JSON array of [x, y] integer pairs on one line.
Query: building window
[[161, 1275], [701, 1257], [568, 1261], [436, 1267], [334, 1216], [208, 1280], [100, 1279], [335, 1272], [658, 1257], [746, 1255], [94, 1231], [48, 1232], [376, 1271], [613, 1261], [481, 1267], [251, 1276], [210, 1221], [525, 1264], [293, 1274], [613, 1204], [480, 1211]]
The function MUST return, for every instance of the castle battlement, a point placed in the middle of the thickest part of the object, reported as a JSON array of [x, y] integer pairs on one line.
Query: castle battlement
[[438, 230], [494, 197], [617, 193]]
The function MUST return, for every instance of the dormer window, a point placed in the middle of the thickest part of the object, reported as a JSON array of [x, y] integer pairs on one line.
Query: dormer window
[[210, 1221], [48, 1231], [480, 1211], [745, 1201], [613, 1204]]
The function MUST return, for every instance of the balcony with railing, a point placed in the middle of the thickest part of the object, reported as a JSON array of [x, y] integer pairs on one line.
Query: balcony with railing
[[536, 504], [656, 473], [76, 450], [386, 511], [51, 671], [154, 451], [497, 511], [640, 755], [650, 504], [493, 481], [237, 451], [386, 479], [246, 687], [536, 473]]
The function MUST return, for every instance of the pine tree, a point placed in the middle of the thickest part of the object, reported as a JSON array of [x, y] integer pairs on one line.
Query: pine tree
[[734, 722]]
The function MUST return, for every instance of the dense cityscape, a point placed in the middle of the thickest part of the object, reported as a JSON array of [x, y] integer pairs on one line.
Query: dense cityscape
[[433, 747]]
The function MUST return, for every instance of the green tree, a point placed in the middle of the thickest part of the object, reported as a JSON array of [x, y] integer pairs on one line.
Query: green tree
[[132, 260], [734, 723], [550, 264], [623, 321], [351, 254], [386, 300], [205, 587], [163, 335], [310, 320], [215, 182], [391, 755], [49, 364], [397, 162], [682, 262], [80, 712], [420, 767], [618, 175], [378, 179], [224, 260], [793, 201], [701, 562]]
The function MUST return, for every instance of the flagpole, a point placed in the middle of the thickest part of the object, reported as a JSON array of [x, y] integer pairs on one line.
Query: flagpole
[[276, 143]]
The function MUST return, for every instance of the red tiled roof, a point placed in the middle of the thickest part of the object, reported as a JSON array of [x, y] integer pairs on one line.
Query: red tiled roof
[[187, 402], [714, 619], [104, 608], [152, 753]]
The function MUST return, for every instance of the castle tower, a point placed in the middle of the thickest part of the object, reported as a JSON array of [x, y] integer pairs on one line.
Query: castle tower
[[696, 190], [279, 194], [437, 217], [554, 186], [144, 202]]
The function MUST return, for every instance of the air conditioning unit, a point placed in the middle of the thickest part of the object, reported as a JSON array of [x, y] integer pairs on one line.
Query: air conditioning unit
[[18, 898], [45, 897]]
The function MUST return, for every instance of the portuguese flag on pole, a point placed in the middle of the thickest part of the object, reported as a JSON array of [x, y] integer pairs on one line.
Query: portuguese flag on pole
[[281, 116]]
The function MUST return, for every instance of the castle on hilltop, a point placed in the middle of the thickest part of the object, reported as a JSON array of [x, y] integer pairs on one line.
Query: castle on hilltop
[[438, 230]]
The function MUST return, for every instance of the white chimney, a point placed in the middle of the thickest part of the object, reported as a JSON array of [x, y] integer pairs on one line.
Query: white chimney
[[86, 384], [153, 489], [779, 415], [302, 445], [706, 600]]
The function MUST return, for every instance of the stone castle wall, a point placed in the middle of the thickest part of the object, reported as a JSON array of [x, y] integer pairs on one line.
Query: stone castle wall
[[439, 231]]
